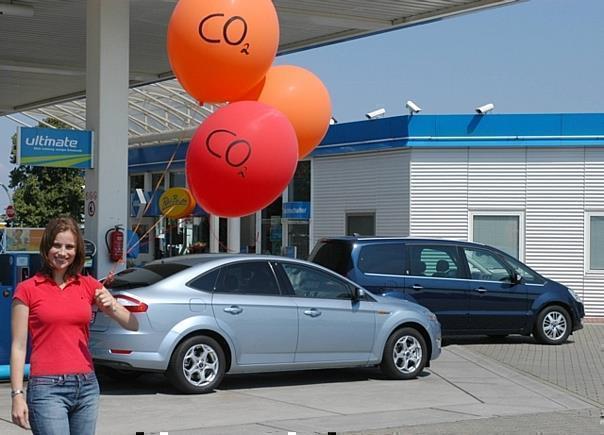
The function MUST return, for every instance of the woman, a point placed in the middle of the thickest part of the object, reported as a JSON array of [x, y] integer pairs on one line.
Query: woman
[[54, 306]]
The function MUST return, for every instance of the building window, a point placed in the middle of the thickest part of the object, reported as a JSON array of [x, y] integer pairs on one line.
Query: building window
[[178, 179], [137, 182], [158, 181], [362, 224], [594, 241], [503, 230]]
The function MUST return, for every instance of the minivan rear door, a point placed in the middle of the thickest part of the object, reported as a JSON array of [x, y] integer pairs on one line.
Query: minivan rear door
[[436, 279]]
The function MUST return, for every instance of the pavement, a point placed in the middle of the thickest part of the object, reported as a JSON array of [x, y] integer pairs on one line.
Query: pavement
[[477, 386]]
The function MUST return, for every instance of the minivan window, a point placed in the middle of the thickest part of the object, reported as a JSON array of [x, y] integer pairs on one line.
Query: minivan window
[[486, 266], [383, 258], [144, 276], [527, 274], [435, 261], [334, 255]]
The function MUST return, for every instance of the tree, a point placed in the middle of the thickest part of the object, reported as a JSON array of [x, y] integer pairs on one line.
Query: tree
[[42, 193]]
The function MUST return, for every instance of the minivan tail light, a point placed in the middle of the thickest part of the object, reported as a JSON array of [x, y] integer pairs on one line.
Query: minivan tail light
[[131, 304]]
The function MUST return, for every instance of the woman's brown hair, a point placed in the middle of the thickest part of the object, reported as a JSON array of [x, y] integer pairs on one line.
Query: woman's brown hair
[[54, 227]]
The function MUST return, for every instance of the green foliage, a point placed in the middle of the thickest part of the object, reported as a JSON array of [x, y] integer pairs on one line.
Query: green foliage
[[43, 193]]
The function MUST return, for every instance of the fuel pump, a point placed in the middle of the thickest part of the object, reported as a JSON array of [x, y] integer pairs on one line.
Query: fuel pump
[[14, 268]]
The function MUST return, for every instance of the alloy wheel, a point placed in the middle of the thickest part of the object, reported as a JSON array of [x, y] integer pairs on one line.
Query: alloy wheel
[[554, 325], [407, 354], [200, 365]]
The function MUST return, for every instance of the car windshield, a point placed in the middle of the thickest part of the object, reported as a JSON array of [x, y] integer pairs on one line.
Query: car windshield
[[144, 276]]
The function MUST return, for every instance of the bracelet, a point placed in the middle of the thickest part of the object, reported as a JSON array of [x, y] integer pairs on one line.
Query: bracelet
[[14, 393]]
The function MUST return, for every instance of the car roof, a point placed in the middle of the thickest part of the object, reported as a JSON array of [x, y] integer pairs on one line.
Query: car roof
[[197, 259], [377, 239]]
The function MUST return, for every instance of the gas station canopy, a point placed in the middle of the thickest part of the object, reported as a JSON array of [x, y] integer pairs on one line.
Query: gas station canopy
[[43, 42]]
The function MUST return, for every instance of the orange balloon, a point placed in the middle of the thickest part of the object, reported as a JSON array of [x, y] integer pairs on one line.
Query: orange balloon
[[220, 49], [302, 97]]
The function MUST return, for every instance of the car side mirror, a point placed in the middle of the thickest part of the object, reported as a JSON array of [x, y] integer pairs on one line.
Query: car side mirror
[[517, 278], [358, 294]]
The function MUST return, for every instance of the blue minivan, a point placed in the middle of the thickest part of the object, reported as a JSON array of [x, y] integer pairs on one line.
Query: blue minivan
[[472, 288]]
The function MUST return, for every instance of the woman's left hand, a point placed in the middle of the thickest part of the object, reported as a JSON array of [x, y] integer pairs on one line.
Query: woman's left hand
[[105, 301]]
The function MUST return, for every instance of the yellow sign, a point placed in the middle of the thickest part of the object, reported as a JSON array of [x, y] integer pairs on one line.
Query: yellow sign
[[176, 203], [23, 239]]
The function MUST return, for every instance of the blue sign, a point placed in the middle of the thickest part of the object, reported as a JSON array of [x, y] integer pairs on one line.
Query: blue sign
[[152, 206], [296, 210], [60, 148]]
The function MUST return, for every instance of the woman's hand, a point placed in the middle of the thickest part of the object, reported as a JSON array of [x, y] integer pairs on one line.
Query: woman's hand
[[109, 305], [105, 300], [20, 412]]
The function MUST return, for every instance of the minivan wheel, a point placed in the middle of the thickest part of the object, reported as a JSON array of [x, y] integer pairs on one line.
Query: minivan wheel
[[197, 365], [405, 354], [553, 325]]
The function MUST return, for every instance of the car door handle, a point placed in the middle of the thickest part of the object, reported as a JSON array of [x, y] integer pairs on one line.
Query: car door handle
[[480, 290], [417, 287], [234, 309], [312, 312]]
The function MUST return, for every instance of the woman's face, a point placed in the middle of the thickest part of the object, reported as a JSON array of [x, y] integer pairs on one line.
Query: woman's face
[[63, 251]]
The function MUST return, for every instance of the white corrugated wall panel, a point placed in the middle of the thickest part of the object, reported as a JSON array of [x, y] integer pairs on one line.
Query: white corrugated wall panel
[[377, 182], [593, 288], [439, 193], [555, 214], [496, 179]]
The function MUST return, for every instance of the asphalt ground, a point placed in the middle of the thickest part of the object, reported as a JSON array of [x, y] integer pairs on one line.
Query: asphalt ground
[[478, 385]]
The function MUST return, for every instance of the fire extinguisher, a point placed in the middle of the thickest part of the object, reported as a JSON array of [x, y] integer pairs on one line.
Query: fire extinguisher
[[114, 239]]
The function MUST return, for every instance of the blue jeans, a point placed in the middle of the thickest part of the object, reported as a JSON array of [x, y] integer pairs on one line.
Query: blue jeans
[[63, 404]]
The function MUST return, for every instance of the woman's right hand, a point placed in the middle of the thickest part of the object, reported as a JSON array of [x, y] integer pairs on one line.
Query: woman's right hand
[[20, 412]]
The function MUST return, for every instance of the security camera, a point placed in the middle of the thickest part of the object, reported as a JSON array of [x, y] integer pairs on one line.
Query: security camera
[[485, 109], [413, 108], [15, 10], [375, 113]]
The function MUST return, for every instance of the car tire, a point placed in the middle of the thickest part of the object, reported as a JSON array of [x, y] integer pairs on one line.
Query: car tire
[[405, 354], [197, 365], [553, 325]]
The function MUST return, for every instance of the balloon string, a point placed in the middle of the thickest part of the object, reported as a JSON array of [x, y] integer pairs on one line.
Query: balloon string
[[159, 221], [155, 190], [159, 182]]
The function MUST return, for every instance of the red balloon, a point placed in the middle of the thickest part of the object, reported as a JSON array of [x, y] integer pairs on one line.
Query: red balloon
[[241, 158]]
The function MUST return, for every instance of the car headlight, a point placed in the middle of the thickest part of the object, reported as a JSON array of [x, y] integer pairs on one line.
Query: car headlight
[[574, 295]]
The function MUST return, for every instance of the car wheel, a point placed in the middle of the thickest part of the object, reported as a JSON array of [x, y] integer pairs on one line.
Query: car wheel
[[197, 365], [553, 325], [405, 354]]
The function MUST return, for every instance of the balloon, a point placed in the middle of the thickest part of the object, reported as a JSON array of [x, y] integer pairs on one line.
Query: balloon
[[220, 49], [176, 203], [241, 158], [302, 97]]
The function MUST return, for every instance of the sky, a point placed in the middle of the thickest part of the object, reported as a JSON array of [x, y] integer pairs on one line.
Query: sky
[[536, 56]]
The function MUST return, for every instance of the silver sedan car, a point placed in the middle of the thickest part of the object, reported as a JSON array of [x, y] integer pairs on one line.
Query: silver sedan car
[[202, 316]]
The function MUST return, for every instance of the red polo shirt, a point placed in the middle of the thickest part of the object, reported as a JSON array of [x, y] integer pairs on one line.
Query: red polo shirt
[[58, 323]]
